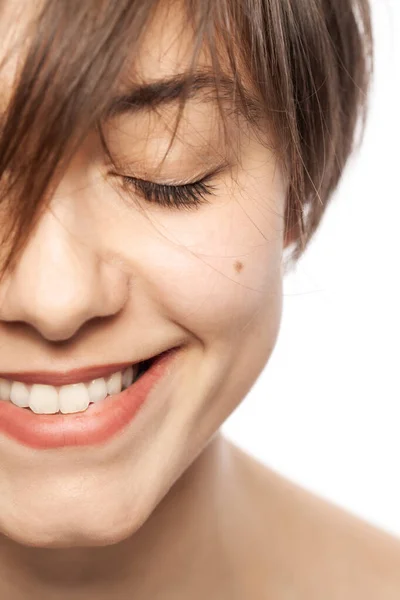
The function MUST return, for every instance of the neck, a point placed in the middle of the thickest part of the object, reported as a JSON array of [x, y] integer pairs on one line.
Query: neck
[[179, 549]]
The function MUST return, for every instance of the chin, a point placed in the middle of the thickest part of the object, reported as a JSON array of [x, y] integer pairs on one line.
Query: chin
[[71, 525]]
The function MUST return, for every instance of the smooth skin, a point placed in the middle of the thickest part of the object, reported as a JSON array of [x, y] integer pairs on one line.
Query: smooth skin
[[170, 508]]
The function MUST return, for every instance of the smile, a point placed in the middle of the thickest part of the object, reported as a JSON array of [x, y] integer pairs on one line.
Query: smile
[[104, 416], [75, 397]]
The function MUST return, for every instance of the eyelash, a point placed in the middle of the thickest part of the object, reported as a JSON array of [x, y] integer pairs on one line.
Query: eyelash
[[187, 196]]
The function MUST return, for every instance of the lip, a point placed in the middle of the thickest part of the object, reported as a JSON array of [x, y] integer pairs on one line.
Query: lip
[[64, 378], [96, 425]]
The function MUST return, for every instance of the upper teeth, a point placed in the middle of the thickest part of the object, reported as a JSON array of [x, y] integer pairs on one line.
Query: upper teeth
[[48, 399]]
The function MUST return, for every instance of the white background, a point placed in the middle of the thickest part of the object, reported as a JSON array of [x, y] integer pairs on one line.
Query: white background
[[325, 412]]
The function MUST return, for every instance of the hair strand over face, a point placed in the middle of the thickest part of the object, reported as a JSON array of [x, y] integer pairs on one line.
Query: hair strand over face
[[308, 62]]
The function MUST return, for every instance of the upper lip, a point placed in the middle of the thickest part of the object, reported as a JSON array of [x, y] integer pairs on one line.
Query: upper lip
[[58, 378], [66, 377]]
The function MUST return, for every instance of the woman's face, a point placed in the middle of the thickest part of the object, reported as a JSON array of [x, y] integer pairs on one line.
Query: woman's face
[[107, 278]]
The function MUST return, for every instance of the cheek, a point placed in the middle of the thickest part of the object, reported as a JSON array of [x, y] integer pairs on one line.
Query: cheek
[[207, 293], [213, 270]]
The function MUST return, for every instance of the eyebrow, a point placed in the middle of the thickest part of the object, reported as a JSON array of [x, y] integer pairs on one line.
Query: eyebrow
[[200, 85]]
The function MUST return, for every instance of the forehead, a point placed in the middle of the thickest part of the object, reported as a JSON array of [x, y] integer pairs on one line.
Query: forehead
[[169, 51], [165, 46], [13, 23], [164, 50]]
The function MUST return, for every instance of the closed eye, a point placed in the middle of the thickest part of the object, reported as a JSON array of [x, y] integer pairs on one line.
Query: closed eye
[[188, 195]]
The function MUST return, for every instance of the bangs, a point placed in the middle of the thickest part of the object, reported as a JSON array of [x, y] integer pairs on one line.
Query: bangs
[[73, 61]]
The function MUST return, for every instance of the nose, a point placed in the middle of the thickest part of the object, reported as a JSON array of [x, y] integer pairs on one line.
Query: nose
[[60, 283]]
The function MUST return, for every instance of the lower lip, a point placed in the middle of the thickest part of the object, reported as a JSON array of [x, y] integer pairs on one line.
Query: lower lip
[[96, 425]]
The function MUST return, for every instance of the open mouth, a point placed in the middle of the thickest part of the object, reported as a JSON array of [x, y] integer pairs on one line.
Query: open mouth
[[55, 426], [77, 397], [145, 365]]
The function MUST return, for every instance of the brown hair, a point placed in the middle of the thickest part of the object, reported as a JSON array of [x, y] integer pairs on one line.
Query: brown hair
[[308, 60]]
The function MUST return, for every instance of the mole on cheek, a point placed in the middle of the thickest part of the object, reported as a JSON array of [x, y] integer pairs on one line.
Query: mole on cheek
[[238, 266]]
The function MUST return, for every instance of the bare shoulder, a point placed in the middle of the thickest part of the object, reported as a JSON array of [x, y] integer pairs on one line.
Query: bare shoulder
[[305, 547]]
